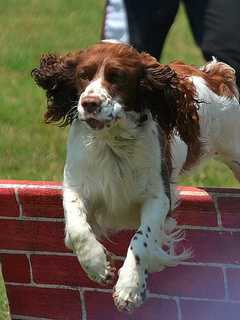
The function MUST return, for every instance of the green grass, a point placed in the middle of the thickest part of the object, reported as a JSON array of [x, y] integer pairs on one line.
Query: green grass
[[28, 148], [4, 311]]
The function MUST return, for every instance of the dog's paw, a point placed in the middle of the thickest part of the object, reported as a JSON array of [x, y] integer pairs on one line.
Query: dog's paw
[[131, 290], [100, 270], [97, 263]]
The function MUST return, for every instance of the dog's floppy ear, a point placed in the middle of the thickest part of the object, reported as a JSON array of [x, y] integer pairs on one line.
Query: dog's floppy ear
[[56, 75], [170, 98]]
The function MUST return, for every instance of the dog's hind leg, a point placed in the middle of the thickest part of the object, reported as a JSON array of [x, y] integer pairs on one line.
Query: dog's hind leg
[[233, 162], [227, 140], [229, 151], [235, 166]]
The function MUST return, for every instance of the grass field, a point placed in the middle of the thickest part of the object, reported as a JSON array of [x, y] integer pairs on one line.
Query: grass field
[[29, 149], [4, 311]]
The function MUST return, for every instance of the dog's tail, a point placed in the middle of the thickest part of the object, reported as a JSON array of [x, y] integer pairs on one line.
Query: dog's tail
[[223, 77]]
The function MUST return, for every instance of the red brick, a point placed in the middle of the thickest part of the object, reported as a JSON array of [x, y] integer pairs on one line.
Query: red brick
[[61, 271], [189, 281], [119, 242], [207, 245], [206, 310], [196, 210], [56, 304], [230, 211], [41, 202], [233, 278], [8, 203], [100, 306], [213, 246], [15, 268], [32, 235]]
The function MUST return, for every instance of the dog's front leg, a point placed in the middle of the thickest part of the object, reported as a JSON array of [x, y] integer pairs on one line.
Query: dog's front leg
[[145, 254], [92, 256]]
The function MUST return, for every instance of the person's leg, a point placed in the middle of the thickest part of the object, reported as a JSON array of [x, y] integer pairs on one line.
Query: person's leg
[[115, 25], [148, 22], [215, 25]]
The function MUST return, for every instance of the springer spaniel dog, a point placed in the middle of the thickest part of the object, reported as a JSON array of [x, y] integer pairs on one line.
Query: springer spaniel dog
[[135, 126]]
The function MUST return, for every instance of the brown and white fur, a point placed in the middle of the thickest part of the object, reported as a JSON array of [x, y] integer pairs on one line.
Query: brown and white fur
[[136, 125]]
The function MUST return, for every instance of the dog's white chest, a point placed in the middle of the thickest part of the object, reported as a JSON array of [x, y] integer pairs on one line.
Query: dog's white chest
[[114, 173]]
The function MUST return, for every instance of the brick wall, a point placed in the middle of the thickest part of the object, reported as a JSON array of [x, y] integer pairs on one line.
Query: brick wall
[[45, 281]]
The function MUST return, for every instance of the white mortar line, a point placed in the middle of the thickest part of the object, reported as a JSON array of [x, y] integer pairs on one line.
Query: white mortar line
[[161, 296], [209, 300], [183, 227], [103, 290], [179, 310], [30, 269], [205, 228], [25, 218], [15, 316], [44, 253], [43, 219], [150, 295], [225, 284], [20, 207], [83, 305], [46, 286], [210, 264], [57, 286], [226, 194], [219, 216], [168, 297], [118, 258]]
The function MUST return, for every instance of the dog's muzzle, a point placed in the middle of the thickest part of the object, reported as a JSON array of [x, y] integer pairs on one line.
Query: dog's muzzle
[[98, 113], [91, 104], [89, 110]]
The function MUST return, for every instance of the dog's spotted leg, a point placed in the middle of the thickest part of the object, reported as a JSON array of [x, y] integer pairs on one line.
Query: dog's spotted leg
[[93, 257], [145, 254], [130, 290]]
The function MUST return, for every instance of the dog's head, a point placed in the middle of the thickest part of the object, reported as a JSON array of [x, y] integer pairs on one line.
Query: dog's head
[[109, 81]]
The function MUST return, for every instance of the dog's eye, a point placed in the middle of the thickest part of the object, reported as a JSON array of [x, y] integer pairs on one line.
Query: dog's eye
[[84, 75], [117, 77]]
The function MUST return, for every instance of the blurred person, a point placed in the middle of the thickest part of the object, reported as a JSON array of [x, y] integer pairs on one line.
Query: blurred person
[[215, 25]]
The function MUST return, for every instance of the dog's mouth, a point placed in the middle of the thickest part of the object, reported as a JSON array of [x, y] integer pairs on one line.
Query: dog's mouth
[[95, 124]]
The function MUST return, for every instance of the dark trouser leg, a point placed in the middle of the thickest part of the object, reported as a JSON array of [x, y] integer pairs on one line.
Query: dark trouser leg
[[149, 22], [143, 24], [216, 29]]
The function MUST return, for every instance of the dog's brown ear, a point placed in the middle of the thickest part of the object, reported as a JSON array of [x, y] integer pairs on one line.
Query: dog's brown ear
[[56, 75], [170, 98]]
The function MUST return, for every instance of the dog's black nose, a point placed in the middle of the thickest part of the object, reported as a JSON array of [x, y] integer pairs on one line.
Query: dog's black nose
[[91, 103]]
